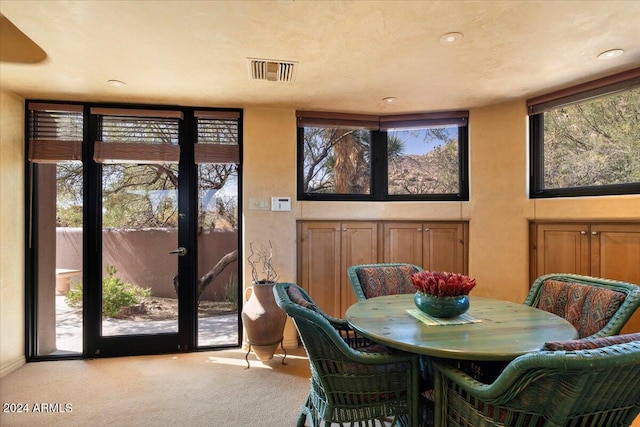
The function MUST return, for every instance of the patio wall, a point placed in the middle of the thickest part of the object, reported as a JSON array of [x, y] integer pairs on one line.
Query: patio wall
[[141, 256]]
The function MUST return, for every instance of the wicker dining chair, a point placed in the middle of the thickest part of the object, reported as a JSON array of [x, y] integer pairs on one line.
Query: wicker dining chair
[[353, 380], [584, 385], [596, 307], [374, 280]]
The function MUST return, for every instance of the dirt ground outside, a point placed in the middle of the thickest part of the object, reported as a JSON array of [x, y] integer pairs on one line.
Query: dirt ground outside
[[158, 308]]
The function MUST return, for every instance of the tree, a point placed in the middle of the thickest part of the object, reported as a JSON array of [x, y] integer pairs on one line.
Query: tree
[[336, 161], [210, 276], [593, 143], [435, 172], [145, 195]]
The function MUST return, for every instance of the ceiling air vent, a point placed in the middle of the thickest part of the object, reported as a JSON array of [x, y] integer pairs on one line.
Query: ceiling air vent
[[272, 70]]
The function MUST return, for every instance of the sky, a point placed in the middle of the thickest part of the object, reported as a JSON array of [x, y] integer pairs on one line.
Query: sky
[[414, 141]]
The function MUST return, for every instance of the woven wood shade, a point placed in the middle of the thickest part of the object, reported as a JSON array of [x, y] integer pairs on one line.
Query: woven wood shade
[[55, 132], [126, 152], [371, 122], [582, 92]]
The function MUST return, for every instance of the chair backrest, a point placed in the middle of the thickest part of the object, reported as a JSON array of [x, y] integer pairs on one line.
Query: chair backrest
[[596, 307], [374, 280], [594, 387], [320, 338]]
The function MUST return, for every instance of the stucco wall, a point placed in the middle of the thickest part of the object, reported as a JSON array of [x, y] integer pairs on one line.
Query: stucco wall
[[142, 257], [498, 210], [11, 232]]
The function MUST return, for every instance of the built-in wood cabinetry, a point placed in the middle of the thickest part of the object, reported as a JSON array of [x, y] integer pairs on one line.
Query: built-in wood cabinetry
[[602, 249], [437, 246], [327, 248]]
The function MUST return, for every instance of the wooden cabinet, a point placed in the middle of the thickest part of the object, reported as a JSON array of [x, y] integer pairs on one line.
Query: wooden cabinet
[[438, 246], [327, 248], [601, 249]]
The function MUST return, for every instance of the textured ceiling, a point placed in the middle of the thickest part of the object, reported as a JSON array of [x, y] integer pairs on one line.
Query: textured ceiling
[[349, 54]]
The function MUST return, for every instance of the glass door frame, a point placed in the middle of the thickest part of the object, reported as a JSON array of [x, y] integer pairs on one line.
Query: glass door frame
[[94, 344]]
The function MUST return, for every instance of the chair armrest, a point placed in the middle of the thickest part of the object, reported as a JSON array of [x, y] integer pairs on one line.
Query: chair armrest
[[350, 336], [496, 392]]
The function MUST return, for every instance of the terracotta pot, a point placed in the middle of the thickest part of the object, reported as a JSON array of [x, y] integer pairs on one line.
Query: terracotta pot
[[263, 321]]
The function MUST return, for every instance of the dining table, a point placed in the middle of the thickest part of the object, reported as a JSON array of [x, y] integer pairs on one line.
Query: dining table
[[491, 330]]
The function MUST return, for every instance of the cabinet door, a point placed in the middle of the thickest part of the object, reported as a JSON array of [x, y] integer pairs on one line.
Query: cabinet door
[[615, 254], [359, 246], [403, 242], [320, 272], [443, 247], [562, 248]]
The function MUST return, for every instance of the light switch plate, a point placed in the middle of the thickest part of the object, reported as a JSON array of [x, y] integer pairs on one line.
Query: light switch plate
[[258, 204]]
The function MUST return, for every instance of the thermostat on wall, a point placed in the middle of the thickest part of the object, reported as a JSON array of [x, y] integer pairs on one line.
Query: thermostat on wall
[[281, 203]]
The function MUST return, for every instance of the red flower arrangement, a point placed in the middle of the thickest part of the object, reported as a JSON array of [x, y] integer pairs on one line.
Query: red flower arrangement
[[442, 284]]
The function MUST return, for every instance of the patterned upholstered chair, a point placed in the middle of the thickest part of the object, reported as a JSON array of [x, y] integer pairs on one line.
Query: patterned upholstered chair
[[588, 383], [374, 280], [596, 307], [353, 381]]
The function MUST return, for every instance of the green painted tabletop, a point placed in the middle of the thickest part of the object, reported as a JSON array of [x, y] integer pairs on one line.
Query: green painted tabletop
[[506, 330]]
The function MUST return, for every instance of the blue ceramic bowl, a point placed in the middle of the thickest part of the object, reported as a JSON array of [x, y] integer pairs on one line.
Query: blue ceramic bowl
[[442, 307]]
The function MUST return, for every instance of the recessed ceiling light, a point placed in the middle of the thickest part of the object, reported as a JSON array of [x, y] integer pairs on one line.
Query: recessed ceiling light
[[390, 99], [116, 83], [611, 53], [450, 38]]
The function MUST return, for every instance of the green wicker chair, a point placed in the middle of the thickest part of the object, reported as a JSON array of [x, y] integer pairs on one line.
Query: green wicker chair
[[373, 280], [596, 307], [352, 380], [598, 387]]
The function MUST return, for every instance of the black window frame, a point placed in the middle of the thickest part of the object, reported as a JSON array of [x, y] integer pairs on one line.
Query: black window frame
[[379, 165], [573, 95]]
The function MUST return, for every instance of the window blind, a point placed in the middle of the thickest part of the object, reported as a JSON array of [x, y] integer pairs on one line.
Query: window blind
[[424, 120], [137, 136], [373, 122], [584, 91], [217, 137], [341, 120], [55, 132]]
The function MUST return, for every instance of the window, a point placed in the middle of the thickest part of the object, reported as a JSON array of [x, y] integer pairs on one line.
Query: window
[[388, 158], [55, 223], [587, 142]]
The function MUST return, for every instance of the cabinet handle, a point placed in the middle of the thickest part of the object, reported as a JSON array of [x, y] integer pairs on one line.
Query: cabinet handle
[[427, 229], [594, 233], [583, 232], [344, 229], [419, 229]]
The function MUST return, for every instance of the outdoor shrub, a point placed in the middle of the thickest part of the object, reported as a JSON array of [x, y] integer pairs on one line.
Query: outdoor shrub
[[230, 289], [116, 294]]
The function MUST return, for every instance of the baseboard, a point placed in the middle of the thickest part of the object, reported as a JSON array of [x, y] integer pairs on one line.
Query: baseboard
[[7, 368]]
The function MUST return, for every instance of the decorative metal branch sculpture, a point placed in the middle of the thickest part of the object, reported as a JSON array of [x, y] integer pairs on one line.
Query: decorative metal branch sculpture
[[262, 255]]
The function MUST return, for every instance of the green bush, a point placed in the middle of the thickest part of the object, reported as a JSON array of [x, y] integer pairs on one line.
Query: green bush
[[116, 294], [230, 289]]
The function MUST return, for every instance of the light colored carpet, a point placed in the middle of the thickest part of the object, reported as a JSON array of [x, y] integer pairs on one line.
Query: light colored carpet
[[194, 389]]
